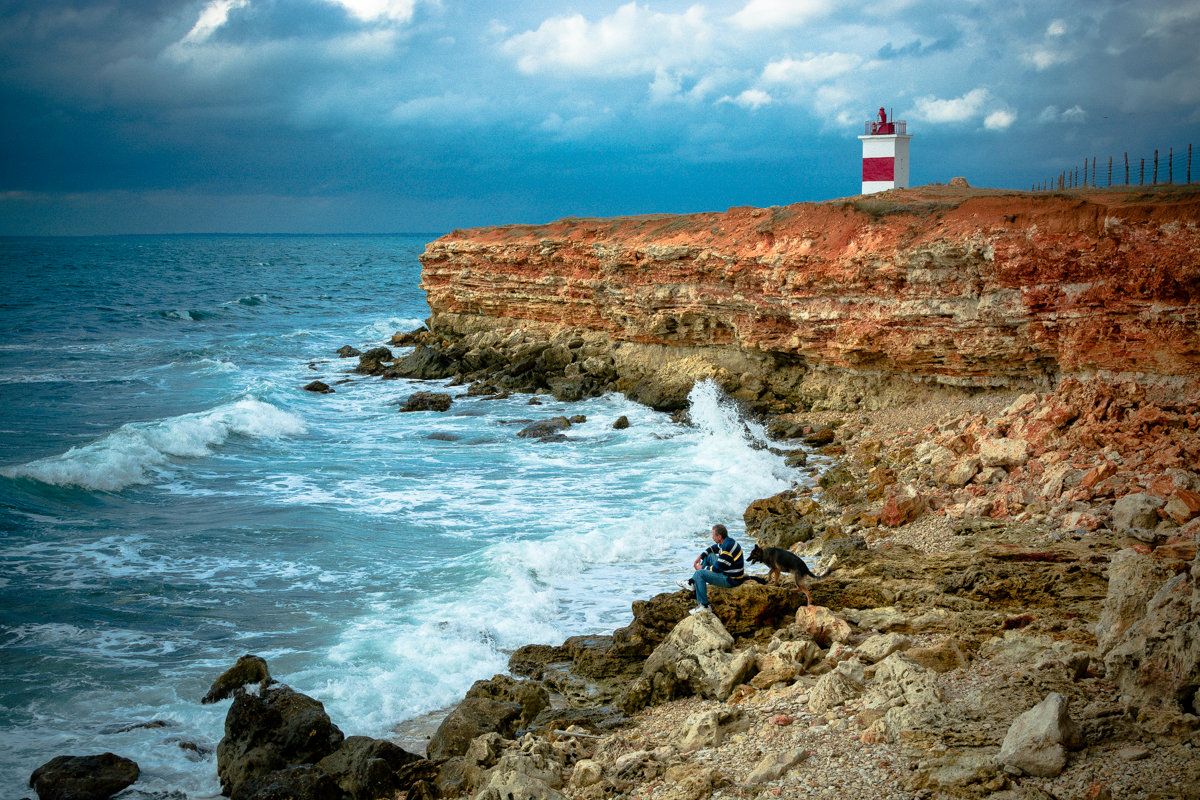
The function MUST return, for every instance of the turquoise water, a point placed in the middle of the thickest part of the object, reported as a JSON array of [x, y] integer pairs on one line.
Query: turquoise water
[[171, 499]]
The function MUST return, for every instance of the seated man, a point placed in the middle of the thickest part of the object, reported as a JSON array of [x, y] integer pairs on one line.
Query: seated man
[[721, 564]]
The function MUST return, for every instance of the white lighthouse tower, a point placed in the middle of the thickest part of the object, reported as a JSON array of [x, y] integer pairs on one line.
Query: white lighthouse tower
[[885, 155]]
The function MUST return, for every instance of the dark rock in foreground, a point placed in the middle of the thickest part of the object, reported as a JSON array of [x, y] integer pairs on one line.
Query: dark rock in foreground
[[472, 717], [319, 388], [83, 777], [272, 731]]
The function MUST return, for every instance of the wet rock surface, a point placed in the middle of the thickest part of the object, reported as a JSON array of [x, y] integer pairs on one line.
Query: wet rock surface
[[96, 777]]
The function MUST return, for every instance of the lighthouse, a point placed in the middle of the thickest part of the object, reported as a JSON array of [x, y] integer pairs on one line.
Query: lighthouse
[[885, 154]]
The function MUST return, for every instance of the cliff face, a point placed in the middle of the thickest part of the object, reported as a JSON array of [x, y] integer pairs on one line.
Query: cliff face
[[937, 284]]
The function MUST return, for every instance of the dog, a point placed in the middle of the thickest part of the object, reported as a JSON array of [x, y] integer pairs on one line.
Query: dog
[[779, 561]]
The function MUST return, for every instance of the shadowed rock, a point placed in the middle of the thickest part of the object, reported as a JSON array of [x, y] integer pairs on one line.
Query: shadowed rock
[[248, 669], [83, 777]]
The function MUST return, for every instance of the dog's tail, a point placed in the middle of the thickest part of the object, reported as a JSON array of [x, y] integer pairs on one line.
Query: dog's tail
[[828, 568]]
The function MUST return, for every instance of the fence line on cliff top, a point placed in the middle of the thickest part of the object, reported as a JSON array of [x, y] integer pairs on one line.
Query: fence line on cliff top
[[1070, 178]]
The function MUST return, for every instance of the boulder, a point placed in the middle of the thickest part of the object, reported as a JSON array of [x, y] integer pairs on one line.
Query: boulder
[[885, 618], [1182, 506], [346, 351], [371, 362], [822, 625], [694, 659], [708, 729], [908, 696], [903, 505], [472, 717], [1038, 740], [944, 656], [1156, 661], [427, 401], [531, 696], [1137, 510], [1004, 452], [961, 473], [621, 424], [775, 766], [367, 768], [834, 688], [298, 782], [543, 428], [881, 645], [249, 669], [83, 777], [318, 387], [1133, 579], [270, 731]]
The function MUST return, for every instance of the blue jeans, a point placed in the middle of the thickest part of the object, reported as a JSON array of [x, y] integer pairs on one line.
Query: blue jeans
[[701, 577]]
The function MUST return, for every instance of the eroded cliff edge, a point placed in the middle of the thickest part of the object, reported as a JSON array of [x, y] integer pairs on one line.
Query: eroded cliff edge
[[857, 301]]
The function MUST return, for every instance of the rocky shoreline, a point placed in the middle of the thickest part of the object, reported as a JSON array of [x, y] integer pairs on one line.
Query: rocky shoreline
[[1003, 392], [1002, 557]]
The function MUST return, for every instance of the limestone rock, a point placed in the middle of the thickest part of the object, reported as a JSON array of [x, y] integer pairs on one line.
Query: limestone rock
[[694, 659], [886, 618], [822, 625], [944, 656], [1004, 452], [1138, 510], [775, 766], [962, 472], [1133, 579], [833, 689], [880, 646], [472, 717], [318, 387], [902, 506], [530, 695], [707, 729], [1038, 740], [83, 777]]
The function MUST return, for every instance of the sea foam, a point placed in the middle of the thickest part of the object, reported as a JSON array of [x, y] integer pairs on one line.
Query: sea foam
[[128, 455]]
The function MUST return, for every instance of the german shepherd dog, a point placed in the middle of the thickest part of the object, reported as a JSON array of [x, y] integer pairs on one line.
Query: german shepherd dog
[[779, 561]]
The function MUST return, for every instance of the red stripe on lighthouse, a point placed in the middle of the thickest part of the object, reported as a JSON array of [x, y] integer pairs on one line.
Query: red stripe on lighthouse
[[879, 169]]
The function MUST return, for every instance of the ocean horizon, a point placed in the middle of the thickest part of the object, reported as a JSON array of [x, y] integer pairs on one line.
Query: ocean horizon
[[171, 498]]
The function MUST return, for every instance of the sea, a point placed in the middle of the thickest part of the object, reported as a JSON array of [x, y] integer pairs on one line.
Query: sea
[[171, 499]]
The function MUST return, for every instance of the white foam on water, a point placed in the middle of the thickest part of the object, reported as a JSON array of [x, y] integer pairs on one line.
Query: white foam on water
[[383, 329], [131, 454], [568, 542]]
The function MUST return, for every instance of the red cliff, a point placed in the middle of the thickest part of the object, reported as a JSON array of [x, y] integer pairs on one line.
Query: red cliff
[[935, 285]]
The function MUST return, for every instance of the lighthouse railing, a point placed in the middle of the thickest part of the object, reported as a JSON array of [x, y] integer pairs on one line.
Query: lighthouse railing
[[896, 127]]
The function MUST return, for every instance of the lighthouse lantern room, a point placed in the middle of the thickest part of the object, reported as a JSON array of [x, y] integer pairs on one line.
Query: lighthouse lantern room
[[885, 154]]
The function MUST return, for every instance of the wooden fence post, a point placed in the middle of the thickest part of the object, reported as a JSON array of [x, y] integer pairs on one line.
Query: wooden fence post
[[1127, 168], [1110, 170], [1170, 165], [1189, 174], [1155, 166], [1093, 170], [1142, 173]]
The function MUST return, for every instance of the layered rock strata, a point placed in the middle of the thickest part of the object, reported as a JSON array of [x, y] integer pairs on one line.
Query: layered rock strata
[[839, 302]]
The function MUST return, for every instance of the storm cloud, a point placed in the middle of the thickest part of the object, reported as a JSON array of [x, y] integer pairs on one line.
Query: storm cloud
[[423, 115]]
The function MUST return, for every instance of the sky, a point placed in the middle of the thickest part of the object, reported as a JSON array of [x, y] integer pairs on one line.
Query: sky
[[314, 116]]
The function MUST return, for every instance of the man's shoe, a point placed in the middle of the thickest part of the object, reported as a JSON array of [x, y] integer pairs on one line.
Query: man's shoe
[[689, 585], [698, 609]]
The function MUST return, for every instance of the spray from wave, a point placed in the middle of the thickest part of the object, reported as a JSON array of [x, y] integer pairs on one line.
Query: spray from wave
[[128, 455]]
